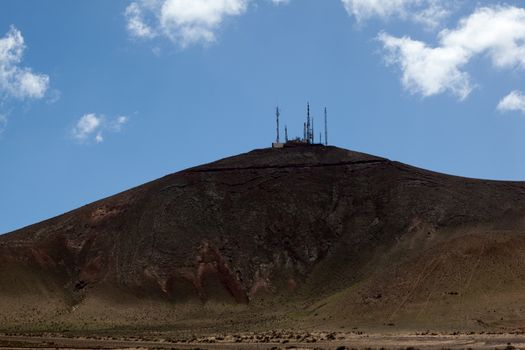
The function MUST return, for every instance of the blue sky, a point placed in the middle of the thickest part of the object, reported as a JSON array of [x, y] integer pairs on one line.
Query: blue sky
[[99, 96]]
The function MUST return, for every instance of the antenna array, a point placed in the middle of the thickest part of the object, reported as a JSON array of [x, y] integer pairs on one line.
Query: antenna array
[[308, 130]]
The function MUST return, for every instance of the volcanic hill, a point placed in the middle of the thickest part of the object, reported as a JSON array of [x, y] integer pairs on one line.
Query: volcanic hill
[[308, 235]]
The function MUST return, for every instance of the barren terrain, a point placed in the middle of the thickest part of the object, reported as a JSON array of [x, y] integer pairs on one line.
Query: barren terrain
[[275, 340], [305, 239]]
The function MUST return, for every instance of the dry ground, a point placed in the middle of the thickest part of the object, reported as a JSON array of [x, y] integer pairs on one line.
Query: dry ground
[[270, 340]]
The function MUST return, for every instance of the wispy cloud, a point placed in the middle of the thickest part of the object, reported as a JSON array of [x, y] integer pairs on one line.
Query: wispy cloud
[[513, 102], [185, 22], [497, 32], [117, 124], [91, 127], [136, 21], [17, 81], [430, 13]]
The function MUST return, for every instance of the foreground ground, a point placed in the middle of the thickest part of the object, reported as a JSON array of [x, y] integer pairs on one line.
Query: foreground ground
[[269, 340]]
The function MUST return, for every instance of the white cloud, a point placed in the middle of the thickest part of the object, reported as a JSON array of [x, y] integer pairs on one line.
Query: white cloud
[[433, 15], [86, 126], [16, 81], [184, 22], [428, 71], [515, 101], [428, 12], [136, 23], [497, 32], [91, 127]]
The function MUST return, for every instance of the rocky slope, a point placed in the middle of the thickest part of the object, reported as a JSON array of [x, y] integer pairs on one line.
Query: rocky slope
[[322, 235]]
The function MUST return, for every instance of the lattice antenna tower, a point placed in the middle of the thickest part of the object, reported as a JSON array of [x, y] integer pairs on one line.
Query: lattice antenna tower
[[308, 130]]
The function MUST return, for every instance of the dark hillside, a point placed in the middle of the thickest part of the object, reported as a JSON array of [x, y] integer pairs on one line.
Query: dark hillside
[[340, 236]]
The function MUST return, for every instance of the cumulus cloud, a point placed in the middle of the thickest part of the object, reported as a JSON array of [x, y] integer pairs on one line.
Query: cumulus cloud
[[428, 12], [90, 127], [428, 71], [17, 81], [496, 32], [184, 22], [513, 102]]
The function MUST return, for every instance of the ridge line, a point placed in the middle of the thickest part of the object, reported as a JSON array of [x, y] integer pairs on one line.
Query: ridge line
[[210, 170]]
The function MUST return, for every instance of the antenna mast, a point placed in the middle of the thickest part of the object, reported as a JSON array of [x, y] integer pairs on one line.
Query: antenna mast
[[286, 133], [308, 130], [304, 132], [277, 114], [325, 127]]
